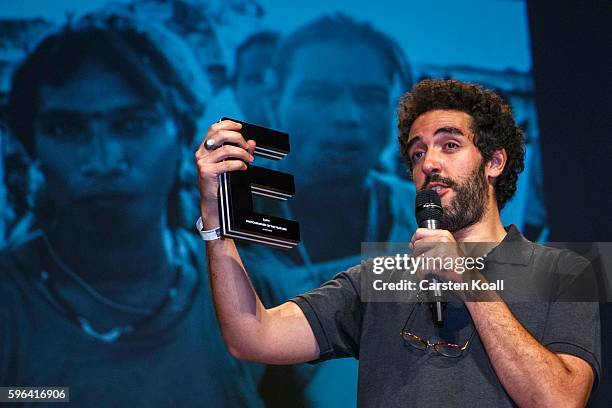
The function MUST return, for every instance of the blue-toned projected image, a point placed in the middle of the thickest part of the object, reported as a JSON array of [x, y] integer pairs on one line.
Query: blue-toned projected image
[[103, 278]]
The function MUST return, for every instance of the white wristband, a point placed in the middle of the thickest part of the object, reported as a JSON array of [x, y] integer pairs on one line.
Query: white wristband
[[207, 235]]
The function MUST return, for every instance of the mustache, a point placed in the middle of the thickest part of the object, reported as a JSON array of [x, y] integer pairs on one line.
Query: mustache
[[437, 178]]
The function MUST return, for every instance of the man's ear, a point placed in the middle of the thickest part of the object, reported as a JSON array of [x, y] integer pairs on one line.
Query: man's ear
[[496, 165]]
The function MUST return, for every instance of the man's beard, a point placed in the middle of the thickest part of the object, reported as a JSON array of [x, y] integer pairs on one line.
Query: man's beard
[[469, 205]]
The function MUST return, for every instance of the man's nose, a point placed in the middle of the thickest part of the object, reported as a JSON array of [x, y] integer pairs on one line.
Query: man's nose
[[104, 155], [347, 111], [432, 162]]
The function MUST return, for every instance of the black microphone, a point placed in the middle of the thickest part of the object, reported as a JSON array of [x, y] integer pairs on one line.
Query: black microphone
[[428, 212]]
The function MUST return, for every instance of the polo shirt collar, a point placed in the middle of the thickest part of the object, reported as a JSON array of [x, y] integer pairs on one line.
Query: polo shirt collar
[[513, 249]]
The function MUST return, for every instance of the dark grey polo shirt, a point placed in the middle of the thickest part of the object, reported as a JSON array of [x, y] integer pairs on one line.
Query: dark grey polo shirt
[[391, 373]]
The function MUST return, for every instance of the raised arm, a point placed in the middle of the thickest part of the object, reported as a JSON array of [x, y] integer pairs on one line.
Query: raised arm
[[279, 335]]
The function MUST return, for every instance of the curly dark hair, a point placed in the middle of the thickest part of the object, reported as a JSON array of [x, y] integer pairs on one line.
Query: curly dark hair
[[492, 123]]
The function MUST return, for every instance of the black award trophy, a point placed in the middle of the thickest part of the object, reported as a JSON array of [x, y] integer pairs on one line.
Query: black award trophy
[[236, 189]]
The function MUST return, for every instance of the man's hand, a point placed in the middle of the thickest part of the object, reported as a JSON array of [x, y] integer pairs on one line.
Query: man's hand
[[230, 153], [437, 244], [281, 335]]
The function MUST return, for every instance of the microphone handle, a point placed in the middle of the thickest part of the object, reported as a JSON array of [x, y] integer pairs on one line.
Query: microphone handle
[[437, 304], [431, 224]]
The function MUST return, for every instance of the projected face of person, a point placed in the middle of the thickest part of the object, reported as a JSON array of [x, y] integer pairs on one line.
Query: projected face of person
[[445, 158], [205, 47], [335, 104], [250, 87], [106, 152]]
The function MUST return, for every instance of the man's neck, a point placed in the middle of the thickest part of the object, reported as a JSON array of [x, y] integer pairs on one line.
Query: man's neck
[[126, 256], [489, 229], [126, 263]]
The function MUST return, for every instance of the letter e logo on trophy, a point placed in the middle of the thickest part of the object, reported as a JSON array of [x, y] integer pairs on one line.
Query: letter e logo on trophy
[[236, 189]]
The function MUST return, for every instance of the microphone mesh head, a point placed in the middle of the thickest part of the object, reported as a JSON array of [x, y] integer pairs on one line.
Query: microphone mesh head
[[427, 206]]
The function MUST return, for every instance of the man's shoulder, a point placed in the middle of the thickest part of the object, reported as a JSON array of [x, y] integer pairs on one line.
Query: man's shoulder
[[570, 274], [17, 266], [561, 256], [558, 254], [353, 276], [19, 257]]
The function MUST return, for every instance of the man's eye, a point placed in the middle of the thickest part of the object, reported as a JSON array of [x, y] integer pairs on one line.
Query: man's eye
[[372, 97], [416, 156], [64, 130], [312, 93], [451, 145], [129, 125], [254, 79]]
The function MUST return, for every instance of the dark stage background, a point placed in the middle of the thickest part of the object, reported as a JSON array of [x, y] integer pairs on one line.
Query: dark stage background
[[571, 73]]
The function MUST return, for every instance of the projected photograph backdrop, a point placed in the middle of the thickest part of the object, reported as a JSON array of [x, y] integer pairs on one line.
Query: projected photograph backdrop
[[103, 105]]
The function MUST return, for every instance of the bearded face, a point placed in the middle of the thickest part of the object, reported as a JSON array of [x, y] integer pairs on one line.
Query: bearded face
[[469, 204]]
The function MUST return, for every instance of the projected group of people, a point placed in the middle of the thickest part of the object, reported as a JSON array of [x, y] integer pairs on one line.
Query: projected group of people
[[104, 282]]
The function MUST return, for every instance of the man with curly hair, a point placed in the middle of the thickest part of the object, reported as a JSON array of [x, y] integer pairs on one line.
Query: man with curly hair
[[491, 122], [493, 350]]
